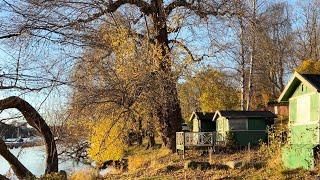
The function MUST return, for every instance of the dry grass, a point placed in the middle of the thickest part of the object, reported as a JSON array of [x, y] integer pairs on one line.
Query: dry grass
[[143, 159], [85, 174], [156, 167], [262, 163]]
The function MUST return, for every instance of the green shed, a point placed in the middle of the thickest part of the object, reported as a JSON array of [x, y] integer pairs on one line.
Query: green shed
[[202, 122], [244, 126], [302, 93]]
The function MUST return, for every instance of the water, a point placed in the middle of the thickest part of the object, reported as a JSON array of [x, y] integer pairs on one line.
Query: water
[[33, 158]]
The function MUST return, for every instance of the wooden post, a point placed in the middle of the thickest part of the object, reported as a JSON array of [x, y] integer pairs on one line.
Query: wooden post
[[210, 154], [183, 133]]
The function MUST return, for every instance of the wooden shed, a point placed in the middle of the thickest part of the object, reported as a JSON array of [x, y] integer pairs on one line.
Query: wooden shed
[[302, 93], [244, 126], [202, 122]]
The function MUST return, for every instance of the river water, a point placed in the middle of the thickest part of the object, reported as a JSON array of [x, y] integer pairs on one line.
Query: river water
[[33, 158]]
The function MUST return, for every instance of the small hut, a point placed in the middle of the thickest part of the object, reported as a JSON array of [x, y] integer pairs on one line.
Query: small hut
[[244, 126], [202, 122], [303, 94]]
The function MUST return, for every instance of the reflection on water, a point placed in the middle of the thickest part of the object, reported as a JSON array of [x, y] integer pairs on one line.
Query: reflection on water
[[34, 160]]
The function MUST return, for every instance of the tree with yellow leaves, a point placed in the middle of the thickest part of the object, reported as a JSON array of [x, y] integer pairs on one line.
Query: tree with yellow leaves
[[107, 140], [118, 78], [309, 66], [209, 90]]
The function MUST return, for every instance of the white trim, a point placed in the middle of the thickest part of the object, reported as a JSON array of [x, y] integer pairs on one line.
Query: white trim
[[287, 87], [216, 114], [193, 113], [308, 123], [301, 79]]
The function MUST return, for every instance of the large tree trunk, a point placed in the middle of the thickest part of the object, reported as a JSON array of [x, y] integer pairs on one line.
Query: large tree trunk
[[35, 120], [170, 115], [169, 112]]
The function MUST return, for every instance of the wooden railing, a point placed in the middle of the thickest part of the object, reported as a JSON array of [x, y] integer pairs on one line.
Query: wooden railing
[[201, 139], [210, 139]]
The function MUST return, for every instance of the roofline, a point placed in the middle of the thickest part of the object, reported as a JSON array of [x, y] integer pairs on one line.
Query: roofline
[[215, 114], [299, 77], [243, 116], [193, 114]]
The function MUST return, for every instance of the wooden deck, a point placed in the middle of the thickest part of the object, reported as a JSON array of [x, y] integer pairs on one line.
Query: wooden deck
[[185, 140], [196, 139]]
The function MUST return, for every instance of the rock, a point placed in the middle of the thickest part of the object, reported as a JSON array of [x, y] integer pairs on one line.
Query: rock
[[171, 168], [190, 165], [220, 166], [204, 166], [234, 164], [197, 165]]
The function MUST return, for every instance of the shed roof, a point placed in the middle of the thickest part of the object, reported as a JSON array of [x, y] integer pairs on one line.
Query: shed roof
[[203, 116], [243, 114], [311, 80]]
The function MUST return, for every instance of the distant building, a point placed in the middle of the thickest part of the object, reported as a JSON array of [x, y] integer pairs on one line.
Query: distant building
[[281, 109], [12, 131]]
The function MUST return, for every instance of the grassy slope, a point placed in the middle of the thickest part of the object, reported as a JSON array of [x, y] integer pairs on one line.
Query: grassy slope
[[161, 164]]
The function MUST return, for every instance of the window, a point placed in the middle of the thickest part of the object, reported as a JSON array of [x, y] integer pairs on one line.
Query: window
[[303, 109], [238, 124], [302, 87]]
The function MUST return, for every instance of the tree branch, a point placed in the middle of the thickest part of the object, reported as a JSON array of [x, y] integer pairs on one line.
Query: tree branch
[[202, 11], [183, 46], [10, 35], [19, 169], [145, 8], [35, 120]]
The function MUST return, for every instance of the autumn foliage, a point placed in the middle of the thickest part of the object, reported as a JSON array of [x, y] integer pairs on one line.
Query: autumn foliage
[[309, 66], [107, 141]]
